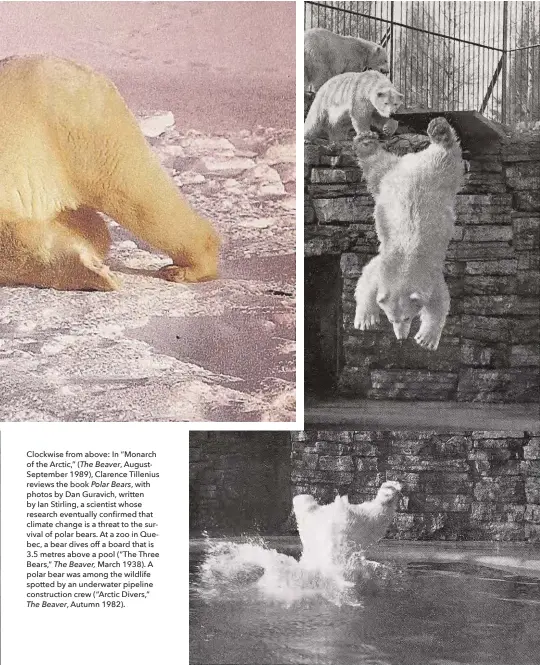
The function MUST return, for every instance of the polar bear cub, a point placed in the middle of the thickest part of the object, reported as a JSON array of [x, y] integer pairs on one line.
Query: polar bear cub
[[327, 54], [415, 198]]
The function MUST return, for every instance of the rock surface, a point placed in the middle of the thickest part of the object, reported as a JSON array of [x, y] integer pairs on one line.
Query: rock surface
[[489, 347], [156, 351], [471, 485]]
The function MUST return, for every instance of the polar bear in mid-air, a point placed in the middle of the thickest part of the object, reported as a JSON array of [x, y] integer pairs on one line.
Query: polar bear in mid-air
[[327, 54], [71, 148], [415, 198]]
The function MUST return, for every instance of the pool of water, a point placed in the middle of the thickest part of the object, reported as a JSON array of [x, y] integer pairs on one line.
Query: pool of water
[[253, 604]]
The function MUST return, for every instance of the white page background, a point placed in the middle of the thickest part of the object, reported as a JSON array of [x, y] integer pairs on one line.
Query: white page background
[[153, 630]]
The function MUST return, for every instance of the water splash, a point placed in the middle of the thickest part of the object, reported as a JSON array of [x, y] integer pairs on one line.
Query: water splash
[[253, 570]]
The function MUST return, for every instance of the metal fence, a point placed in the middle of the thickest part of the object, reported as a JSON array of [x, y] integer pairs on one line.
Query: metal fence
[[451, 56]]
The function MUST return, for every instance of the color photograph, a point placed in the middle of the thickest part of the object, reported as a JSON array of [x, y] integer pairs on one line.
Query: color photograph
[[147, 184]]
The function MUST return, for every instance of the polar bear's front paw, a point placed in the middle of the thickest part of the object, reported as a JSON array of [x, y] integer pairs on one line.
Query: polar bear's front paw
[[428, 338], [390, 127], [366, 320]]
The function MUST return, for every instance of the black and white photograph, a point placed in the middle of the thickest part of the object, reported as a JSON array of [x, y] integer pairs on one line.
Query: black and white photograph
[[365, 546], [421, 213]]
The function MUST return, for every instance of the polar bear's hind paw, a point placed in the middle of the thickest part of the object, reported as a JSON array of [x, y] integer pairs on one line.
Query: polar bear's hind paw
[[441, 133]]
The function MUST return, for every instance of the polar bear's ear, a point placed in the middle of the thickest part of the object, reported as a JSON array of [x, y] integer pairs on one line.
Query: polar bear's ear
[[417, 298]]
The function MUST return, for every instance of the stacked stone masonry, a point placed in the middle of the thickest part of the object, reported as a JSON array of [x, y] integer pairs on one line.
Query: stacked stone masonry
[[239, 481], [458, 486], [489, 350]]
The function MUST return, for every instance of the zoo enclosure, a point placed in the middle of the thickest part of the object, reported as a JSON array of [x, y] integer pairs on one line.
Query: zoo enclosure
[[451, 56]]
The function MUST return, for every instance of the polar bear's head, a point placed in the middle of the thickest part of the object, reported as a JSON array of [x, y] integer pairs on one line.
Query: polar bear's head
[[378, 60], [385, 98], [401, 307], [402, 291]]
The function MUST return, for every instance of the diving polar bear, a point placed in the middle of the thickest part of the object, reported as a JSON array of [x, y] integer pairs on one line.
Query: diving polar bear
[[331, 533], [70, 148], [415, 198]]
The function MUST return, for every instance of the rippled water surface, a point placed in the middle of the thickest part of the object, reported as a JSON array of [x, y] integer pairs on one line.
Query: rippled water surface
[[251, 604]]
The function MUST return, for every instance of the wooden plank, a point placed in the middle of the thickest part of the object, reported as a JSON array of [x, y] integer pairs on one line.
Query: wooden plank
[[472, 127]]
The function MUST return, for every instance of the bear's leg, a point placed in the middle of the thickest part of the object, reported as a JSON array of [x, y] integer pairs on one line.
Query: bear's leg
[[315, 122], [58, 254], [89, 225], [433, 316], [360, 125], [367, 314], [141, 197], [339, 125]]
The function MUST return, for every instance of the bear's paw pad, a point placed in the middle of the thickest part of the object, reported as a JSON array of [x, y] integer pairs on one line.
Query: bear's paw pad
[[390, 127], [173, 273], [439, 130]]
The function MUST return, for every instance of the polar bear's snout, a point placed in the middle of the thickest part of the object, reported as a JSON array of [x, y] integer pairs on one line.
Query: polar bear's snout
[[402, 329]]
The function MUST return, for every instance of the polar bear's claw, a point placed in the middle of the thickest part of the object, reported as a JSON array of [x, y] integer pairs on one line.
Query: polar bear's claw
[[427, 339], [366, 322]]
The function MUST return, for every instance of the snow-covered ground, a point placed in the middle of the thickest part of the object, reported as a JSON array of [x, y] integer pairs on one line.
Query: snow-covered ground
[[154, 350], [217, 351]]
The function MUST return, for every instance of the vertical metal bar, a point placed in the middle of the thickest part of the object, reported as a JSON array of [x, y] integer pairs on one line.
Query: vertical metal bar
[[405, 86], [392, 40], [505, 57], [454, 60]]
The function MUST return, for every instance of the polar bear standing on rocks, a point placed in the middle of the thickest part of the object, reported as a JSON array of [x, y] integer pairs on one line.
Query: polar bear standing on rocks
[[353, 101], [327, 54], [70, 148], [415, 198]]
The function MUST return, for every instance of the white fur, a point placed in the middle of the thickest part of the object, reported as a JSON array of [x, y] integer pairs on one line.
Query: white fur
[[414, 219], [331, 533], [327, 54], [353, 100]]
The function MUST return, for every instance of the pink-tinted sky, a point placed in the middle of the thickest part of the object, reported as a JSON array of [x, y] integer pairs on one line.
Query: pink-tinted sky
[[216, 65]]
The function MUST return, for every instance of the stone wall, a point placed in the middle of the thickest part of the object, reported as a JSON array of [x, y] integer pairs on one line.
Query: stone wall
[[239, 481], [459, 486], [489, 349]]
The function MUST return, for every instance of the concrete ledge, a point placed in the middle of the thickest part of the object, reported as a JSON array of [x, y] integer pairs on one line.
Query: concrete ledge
[[441, 416]]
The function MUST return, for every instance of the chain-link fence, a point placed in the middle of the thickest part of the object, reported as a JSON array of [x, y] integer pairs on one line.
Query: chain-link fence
[[451, 56]]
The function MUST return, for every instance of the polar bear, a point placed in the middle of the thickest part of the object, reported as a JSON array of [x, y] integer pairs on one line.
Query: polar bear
[[415, 198], [327, 54], [353, 101], [331, 533], [70, 148]]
